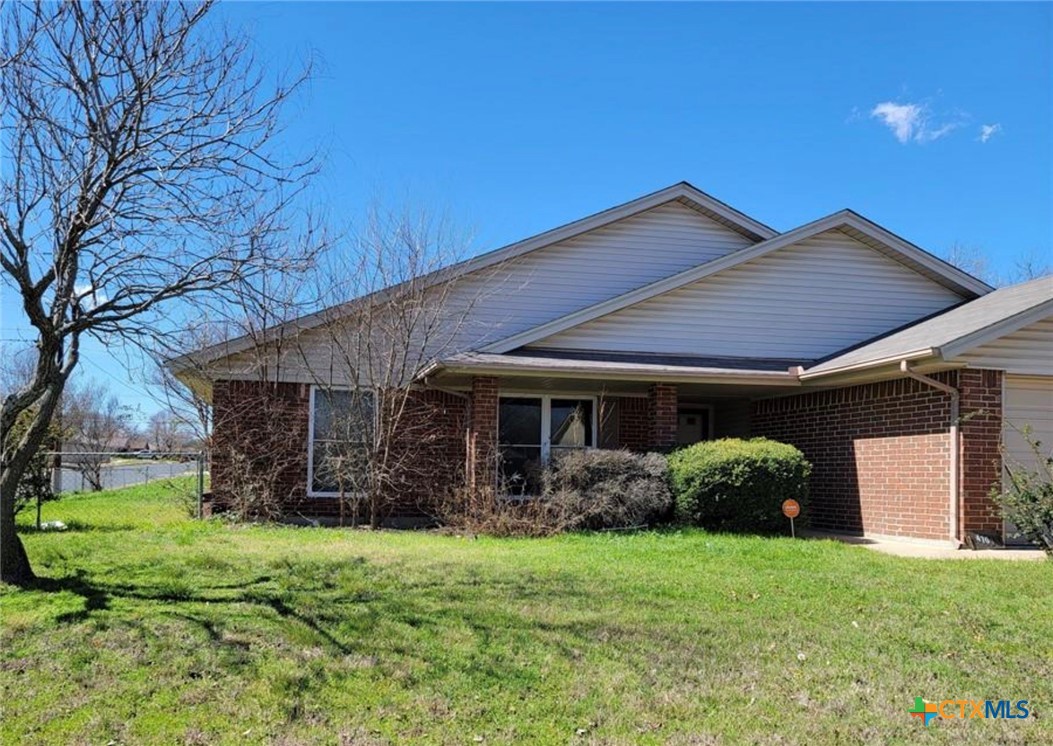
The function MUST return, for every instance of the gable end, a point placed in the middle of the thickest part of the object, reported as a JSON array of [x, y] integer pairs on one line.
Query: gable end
[[804, 301]]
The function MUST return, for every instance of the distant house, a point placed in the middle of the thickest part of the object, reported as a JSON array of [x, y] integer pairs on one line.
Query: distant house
[[120, 443], [676, 318]]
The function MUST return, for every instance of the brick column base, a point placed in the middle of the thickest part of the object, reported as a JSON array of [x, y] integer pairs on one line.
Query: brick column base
[[482, 434]]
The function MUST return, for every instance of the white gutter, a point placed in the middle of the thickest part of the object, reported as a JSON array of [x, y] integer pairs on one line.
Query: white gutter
[[899, 357], [425, 380], [953, 436], [666, 375]]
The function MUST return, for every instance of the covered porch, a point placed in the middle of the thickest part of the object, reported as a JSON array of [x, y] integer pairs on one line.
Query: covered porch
[[527, 407]]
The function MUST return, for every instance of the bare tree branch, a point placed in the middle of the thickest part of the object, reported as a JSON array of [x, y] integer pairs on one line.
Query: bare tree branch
[[145, 184], [381, 446]]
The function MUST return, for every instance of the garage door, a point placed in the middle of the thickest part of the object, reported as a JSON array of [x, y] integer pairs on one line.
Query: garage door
[[1028, 402]]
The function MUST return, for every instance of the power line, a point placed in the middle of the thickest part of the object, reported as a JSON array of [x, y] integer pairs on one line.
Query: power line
[[126, 384]]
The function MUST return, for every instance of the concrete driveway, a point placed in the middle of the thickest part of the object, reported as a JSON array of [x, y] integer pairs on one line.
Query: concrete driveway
[[929, 549]]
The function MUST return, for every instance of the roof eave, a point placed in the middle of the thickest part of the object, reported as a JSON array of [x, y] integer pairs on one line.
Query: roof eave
[[948, 351], [914, 355], [998, 329], [933, 263], [193, 379], [767, 378]]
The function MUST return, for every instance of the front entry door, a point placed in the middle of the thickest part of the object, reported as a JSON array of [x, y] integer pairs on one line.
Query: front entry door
[[692, 426]]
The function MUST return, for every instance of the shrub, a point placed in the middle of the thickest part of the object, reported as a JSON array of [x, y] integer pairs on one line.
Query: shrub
[[492, 513], [738, 485], [598, 489], [1027, 500], [594, 489]]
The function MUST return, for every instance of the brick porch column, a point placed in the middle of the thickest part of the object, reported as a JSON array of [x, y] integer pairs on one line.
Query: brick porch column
[[482, 433], [981, 462], [661, 401]]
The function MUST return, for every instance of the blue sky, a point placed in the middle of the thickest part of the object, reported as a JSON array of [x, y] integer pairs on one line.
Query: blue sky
[[516, 118]]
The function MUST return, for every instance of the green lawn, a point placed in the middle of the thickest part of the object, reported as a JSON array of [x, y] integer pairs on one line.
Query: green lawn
[[152, 628]]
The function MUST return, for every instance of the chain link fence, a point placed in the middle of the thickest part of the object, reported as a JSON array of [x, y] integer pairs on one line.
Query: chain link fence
[[83, 471]]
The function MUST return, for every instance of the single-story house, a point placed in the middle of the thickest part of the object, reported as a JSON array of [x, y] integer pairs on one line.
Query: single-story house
[[675, 318]]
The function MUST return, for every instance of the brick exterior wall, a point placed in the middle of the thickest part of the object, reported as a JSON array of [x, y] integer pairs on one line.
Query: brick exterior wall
[[661, 398], [646, 423], [260, 427], [482, 433], [879, 451], [264, 427], [634, 423], [432, 449], [881, 455], [981, 460]]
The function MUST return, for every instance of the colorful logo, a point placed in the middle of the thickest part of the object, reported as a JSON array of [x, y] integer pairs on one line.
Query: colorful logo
[[967, 709], [923, 710]]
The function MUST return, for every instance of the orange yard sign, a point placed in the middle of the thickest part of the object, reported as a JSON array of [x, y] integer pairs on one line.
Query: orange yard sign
[[791, 509]]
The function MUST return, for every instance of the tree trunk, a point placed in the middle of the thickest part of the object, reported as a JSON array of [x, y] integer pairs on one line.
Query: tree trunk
[[14, 563]]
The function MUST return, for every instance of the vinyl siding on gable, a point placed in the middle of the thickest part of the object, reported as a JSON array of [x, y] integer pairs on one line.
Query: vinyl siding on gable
[[490, 304], [580, 272], [804, 301], [1027, 351]]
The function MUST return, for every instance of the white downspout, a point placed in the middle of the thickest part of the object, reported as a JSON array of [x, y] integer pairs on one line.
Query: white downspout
[[953, 434]]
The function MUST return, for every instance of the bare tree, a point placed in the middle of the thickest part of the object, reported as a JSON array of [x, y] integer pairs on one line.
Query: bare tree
[[1032, 265], [376, 444], [16, 371], [974, 260], [168, 432], [253, 446], [143, 174], [184, 406], [95, 424], [188, 404]]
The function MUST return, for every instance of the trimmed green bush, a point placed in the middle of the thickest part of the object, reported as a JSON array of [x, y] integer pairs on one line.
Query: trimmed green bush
[[738, 485]]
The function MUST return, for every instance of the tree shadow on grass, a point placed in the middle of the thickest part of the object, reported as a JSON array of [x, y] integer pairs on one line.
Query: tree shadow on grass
[[299, 628], [342, 619], [98, 597]]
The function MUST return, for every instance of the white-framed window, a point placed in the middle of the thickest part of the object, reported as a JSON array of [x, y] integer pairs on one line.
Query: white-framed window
[[534, 428], [340, 433]]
